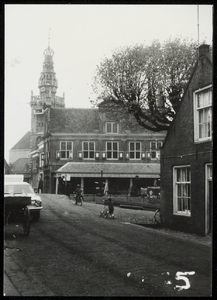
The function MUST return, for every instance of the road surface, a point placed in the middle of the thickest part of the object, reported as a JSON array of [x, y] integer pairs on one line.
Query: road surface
[[71, 251]]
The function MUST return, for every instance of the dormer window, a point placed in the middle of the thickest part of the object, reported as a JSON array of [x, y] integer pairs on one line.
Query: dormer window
[[112, 127]]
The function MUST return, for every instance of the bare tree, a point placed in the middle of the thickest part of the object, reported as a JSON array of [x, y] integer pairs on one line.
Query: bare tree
[[146, 81]]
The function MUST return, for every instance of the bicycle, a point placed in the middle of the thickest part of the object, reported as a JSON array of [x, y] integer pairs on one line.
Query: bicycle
[[79, 201], [157, 216], [104, 213]]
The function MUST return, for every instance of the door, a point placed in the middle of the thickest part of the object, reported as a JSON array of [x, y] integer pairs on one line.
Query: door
[[208, 199]]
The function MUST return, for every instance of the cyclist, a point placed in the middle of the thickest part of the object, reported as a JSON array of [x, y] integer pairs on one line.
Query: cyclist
[[78, 193]]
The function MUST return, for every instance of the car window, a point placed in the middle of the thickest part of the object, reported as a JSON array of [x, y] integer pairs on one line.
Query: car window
[[18, 189]]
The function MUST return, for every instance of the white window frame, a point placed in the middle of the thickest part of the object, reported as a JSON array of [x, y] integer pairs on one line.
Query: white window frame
[[134, 152], [155, 151], [176, 183], [112, 124], [68, 153], [88, 151], [112, 150], [198, 139], [41, 159]]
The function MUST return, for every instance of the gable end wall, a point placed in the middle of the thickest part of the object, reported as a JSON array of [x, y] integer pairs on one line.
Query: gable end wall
[[179, 150]]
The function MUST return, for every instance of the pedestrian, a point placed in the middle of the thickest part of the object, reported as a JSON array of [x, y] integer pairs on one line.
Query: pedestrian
[[137, 185], [61, 185], [40, 185], [110, 206], [78, 193]]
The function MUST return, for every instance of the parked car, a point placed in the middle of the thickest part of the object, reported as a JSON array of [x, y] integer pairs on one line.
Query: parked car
[[25, 189]]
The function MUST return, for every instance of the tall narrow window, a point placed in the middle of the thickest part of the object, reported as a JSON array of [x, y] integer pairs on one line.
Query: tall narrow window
[[135, 150], [88, 150], [66, 149], [203, 115], [182, 191], [155, 149], [112, 150]]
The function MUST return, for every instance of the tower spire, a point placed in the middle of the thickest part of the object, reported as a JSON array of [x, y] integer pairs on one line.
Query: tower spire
[[49, 38]]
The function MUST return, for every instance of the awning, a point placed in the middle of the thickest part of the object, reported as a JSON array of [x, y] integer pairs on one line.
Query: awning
[[109, 170]]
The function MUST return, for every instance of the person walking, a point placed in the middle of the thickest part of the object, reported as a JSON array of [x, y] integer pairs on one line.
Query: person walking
[[78, 193], [40, 185], [110, 206]]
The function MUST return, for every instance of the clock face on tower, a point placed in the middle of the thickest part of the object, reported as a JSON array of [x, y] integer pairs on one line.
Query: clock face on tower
[[43, 89]]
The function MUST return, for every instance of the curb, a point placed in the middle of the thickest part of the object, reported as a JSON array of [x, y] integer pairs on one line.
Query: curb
[[23, 284], [9, 289]]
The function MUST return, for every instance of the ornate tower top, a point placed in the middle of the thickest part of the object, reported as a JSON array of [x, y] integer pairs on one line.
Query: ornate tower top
[[47, 84], [48, 52]]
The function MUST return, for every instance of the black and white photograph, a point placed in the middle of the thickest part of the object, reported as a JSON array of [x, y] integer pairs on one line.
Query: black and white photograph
[[108, 150]]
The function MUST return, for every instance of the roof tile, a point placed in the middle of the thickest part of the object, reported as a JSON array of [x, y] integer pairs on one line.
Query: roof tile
[[73, 120], [24, 142]]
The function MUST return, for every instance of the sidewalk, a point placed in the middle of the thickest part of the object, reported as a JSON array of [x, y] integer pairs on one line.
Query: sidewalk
[[8, 287]]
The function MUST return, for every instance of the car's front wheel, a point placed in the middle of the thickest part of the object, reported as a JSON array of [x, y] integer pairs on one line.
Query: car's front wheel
[[36, 216]]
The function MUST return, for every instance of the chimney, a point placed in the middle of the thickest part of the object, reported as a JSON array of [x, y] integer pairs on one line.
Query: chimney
[[203, 49]]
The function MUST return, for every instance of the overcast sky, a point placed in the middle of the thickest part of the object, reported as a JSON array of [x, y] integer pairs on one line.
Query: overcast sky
[[81, 36]]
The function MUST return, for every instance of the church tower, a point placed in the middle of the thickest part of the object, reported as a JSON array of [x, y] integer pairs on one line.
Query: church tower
[[40, 107], [47, 98]]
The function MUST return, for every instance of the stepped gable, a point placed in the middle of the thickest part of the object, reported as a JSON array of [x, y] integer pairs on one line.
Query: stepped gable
[[24, 142], [74, 120], [21, 165]]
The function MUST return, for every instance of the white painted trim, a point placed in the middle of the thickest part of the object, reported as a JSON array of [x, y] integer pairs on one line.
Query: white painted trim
[[117, 142], [195, 115], [175, 203]]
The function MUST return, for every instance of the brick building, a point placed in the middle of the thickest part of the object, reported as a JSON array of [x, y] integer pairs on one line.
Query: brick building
[[87, 146], [186, 156]]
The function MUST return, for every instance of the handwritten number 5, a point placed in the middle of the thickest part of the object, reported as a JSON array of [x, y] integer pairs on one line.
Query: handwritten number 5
[[182, 276]]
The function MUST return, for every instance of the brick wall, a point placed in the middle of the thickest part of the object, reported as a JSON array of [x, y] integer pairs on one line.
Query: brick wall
[[180, 149]]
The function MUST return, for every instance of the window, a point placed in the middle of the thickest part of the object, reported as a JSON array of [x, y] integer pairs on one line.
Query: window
[[112, 127], [203, 114], [155, 149], [112, 150], [88, 150], [135, 150], [182, 191], [66, 150], [41, 160]]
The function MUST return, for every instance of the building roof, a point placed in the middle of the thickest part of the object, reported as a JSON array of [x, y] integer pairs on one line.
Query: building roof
[[86, 120], [24, 142], [20, 166], [114, 170], [74, 120], [208, 57], [7, 167]]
